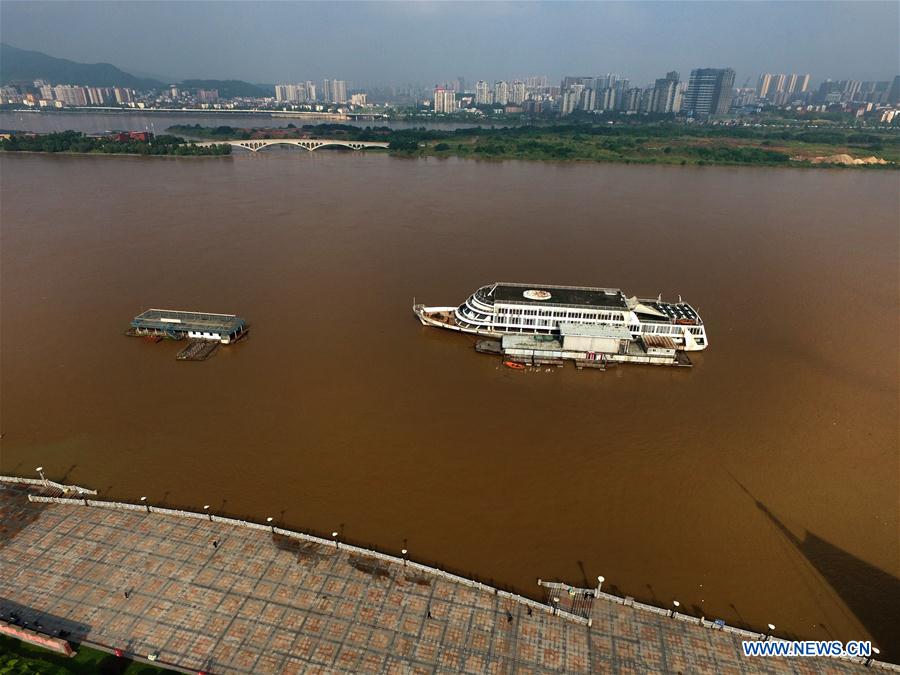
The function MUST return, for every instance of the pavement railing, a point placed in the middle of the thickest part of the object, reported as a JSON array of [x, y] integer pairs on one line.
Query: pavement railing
[[45, 483]]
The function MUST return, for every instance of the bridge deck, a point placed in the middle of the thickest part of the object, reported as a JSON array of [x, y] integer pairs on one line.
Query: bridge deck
[[308, 143]]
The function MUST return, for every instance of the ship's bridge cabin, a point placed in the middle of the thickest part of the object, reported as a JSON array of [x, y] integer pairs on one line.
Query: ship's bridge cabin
[[224, 328]]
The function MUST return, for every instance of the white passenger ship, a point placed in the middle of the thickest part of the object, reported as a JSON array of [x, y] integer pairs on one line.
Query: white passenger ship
[[503, 308]]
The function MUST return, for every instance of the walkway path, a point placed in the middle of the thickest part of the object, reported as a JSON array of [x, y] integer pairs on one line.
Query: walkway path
[[259, 602]]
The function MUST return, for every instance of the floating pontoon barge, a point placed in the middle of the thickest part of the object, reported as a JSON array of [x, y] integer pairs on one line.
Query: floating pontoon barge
[[179, 324], [589, 346]]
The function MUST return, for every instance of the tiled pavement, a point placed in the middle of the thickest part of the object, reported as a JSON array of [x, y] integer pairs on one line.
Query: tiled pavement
[[262, 603]]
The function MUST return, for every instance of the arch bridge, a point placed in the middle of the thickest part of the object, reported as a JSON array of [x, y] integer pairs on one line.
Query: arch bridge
[[307, 143]]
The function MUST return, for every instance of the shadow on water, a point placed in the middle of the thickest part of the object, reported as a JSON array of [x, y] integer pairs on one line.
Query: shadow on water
[[65, 477], [584, 577], [872, 594]]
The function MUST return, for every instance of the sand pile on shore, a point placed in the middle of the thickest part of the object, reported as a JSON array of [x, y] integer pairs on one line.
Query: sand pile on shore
[[846, 159]]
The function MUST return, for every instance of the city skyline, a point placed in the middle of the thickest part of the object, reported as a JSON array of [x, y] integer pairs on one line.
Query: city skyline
[[641, 40]]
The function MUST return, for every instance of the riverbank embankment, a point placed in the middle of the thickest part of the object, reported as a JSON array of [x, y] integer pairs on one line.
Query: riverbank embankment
[[211, 593]]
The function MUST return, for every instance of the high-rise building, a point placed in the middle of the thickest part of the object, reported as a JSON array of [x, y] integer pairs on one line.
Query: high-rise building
[[603, 99], [208, 95], [339, 91], [76, 96], [483, 93], [96, 96], [444, 100], [10, 94], [517, 94], [893, 94], [709, 92], [629, 101], [790, 85], [333, 91], [571, 80], [778, 82], [666, 97], [572, 98], [291, 93], [122, 95], [771, 85], [501, 92], [359, 99], [460, 84], [851, 89], [606, 81]]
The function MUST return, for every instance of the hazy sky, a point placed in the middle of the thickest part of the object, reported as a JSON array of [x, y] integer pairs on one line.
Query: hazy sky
[[425, 42]]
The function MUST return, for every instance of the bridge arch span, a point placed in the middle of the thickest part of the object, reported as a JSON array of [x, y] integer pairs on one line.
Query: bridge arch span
[[309, 144]]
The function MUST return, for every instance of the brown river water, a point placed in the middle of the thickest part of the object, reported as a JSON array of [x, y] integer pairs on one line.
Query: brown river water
[[760, 486]]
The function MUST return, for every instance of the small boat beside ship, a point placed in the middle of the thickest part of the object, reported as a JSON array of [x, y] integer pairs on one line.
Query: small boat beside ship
[[549, 324]]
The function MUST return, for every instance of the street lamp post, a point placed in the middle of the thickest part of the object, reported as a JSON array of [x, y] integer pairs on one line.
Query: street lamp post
[[771, 627], [600, 581], [334, 537], [271, 524], [40, 471], [206, 511], [676, 605], [146, 505]]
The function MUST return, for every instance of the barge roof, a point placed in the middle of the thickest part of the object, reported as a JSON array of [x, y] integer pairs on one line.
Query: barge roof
[[180, 320], [576, 296]]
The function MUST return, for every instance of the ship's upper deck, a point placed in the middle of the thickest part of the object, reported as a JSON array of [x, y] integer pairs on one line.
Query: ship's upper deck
[[672, 312], [572, 296]]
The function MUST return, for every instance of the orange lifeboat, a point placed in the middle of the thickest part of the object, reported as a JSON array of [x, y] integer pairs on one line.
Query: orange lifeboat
[[514, 365]]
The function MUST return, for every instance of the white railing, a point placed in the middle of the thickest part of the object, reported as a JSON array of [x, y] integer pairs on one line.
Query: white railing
[[46, 483]]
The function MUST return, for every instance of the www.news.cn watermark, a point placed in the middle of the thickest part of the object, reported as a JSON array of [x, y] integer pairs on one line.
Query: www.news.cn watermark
[[836, 648]]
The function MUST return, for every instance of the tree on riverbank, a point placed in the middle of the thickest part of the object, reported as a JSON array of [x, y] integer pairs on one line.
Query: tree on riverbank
[[74, 141], [662, 141]]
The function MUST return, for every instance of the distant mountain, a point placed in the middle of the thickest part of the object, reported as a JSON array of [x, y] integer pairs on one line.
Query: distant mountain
[[18, 65], [231, 88]]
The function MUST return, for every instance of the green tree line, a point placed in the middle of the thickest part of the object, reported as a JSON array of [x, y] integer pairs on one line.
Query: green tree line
[[74, 141]]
